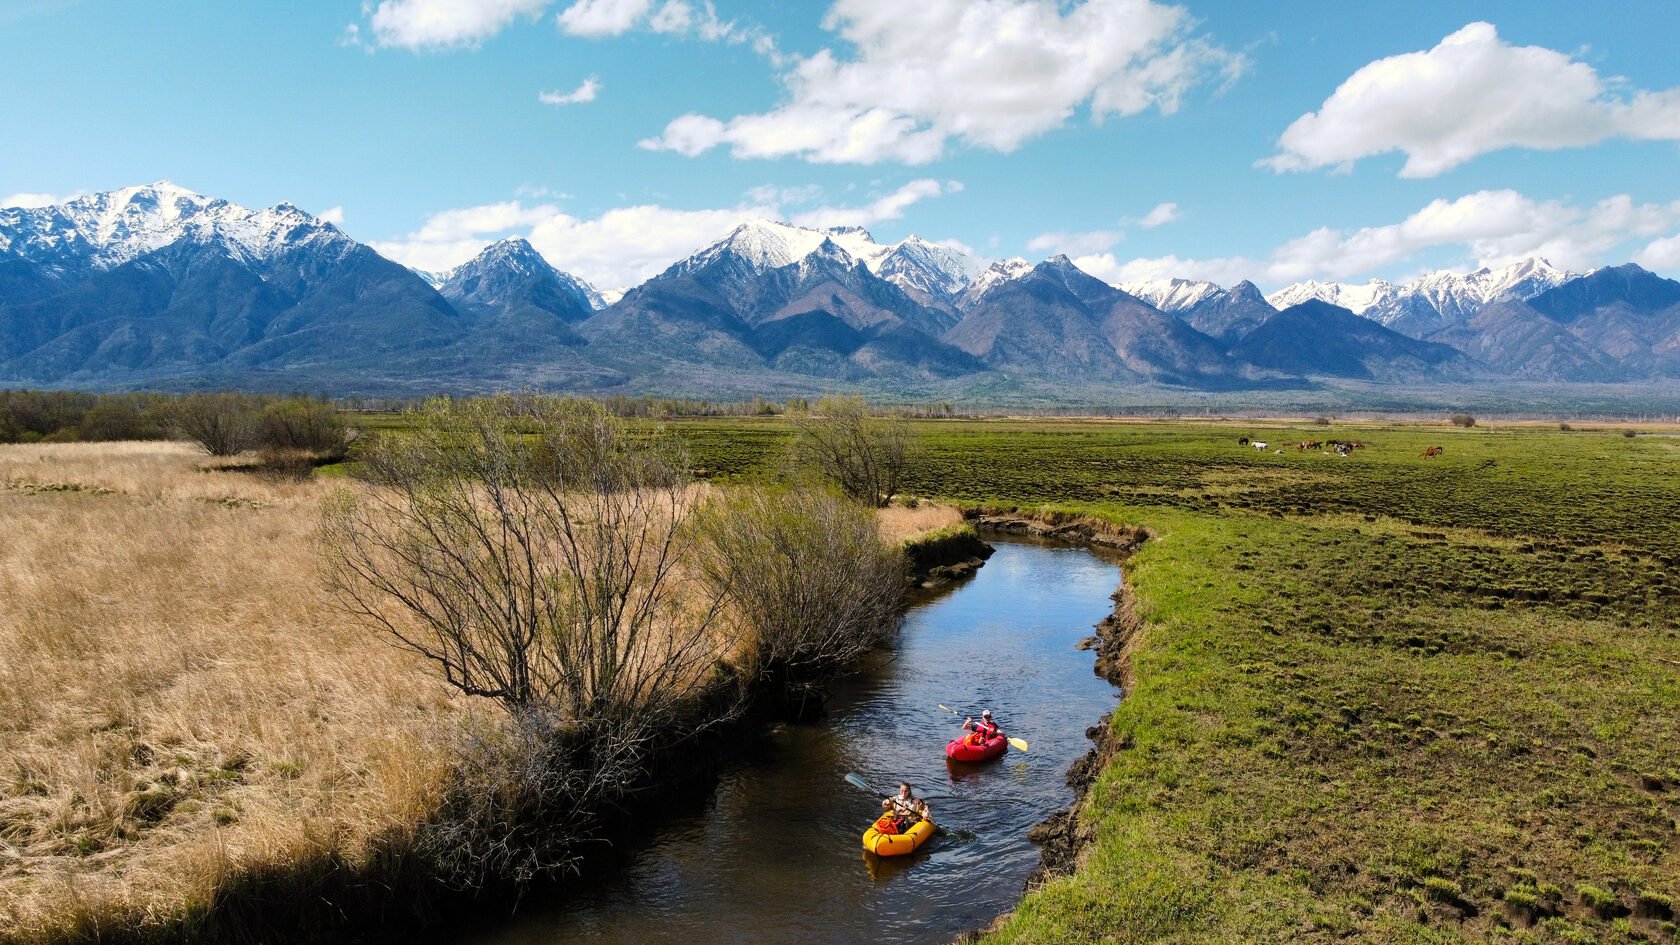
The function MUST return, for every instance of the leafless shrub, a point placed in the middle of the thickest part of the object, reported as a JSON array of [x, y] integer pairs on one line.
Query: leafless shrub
[[864, 455], [221, 424], [806, 572], [531, 549]]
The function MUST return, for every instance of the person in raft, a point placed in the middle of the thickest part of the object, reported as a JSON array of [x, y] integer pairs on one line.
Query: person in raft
[[983, 730], [903, 810]]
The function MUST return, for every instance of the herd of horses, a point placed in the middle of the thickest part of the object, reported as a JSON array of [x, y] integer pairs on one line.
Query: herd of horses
[[1342, 448]]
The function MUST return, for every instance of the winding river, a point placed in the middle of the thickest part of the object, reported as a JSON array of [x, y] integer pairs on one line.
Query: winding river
[[774, 855]]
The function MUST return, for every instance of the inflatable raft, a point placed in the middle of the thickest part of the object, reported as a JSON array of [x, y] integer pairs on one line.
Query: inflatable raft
[[897, 844], [961, 749]]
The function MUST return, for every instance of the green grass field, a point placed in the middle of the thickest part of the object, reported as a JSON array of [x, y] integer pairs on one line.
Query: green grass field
[[1384, 698]]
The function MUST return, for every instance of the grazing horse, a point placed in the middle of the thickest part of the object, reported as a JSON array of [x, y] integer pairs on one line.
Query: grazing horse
[[1305, 445], [1435, 451], [1258, 444], [1242, 441]]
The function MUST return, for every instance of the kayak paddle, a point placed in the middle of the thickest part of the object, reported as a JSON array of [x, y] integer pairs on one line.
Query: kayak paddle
[[1019, 744], [956, 833]]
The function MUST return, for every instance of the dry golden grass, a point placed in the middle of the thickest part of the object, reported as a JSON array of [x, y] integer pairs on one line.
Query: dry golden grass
[[901, 523], [179, 701]]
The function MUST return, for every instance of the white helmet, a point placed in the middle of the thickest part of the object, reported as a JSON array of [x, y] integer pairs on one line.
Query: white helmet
[[985, 713]]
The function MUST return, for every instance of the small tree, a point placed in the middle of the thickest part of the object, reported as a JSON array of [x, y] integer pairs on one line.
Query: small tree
[[221, 424], [305, 426], [806, 575], [531, 548], [863, 455], [1463, 420]]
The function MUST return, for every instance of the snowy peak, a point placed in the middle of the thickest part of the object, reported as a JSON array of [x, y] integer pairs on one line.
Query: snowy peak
[[1437, 299], [1354, 298], [1170, 295], [762, 245], [759, 246], [998, 273], [915, 263], [509, 267], [108, 229]]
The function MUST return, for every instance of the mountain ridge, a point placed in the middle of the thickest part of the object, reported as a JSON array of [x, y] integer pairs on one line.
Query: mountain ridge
[[156, 284]]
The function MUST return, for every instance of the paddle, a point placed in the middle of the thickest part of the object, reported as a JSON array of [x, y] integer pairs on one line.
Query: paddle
[[952, 830], [1019, 744]]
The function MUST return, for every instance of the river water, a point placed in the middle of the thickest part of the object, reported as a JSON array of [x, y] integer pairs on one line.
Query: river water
[[775, 855]]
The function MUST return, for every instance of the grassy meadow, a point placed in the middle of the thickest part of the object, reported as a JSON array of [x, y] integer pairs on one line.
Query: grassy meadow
[[1385, 698], [184, 709]]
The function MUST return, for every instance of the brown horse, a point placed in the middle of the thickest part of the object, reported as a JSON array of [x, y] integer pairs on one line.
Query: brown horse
[[1434, 451]]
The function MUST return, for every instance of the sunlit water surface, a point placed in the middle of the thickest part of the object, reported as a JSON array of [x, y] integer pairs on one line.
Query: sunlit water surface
[[775, 855]]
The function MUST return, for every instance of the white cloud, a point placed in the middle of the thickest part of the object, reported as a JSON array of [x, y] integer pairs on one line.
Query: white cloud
[[888, 207], [1227, 271], [627, 245], [596, 19], [441, 24], [1662, 255], [1076, 243], [335, 216], [1489, 227], [1162, 214], [986, 73], [29, 201], [586, 91], [1471, 94]]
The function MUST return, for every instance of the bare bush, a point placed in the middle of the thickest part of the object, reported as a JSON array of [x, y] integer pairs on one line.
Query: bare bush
[[1463, 420], [865, 456], [299, 425], [806, 572], [531, 549], [221, 424]]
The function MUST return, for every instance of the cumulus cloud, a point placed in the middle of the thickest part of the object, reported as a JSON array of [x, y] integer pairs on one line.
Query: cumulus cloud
[[888, 207], [597, 19], [1489, 227], [335, 216], [1662, 255], [627, 245], [1074, 243], [1162, 214], [986, 73], [29, 201], [586, 91], [1471, 94], [441, 24], [1224, 271]]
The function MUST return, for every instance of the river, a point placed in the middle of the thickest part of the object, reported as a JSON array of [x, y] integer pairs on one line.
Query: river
[[774, 854]]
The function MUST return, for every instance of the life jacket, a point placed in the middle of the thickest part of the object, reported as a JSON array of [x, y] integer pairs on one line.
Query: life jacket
[[888, 824]]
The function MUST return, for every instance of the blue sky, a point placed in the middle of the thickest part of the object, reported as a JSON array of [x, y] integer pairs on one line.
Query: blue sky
[[1017, 127]]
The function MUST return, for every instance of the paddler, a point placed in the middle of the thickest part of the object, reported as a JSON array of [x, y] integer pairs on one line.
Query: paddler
[[905, 808], [984, 730]]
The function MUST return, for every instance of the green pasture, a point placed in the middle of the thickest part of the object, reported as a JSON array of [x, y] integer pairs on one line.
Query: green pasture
[[1386, 698]]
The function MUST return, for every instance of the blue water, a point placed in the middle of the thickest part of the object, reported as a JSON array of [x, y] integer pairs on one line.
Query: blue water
[[775, 854]]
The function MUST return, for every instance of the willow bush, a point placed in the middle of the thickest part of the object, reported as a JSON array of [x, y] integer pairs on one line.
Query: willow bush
[[806, 575]]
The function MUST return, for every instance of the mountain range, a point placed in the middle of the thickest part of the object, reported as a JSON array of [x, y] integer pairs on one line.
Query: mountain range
[[157, 286]]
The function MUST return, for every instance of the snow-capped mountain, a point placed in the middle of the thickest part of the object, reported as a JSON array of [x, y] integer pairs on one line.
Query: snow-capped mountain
[[104, 230], [1435, 301], [506, 270], [998, 273], [1170, 295], [913, 263], [1355, 298]]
